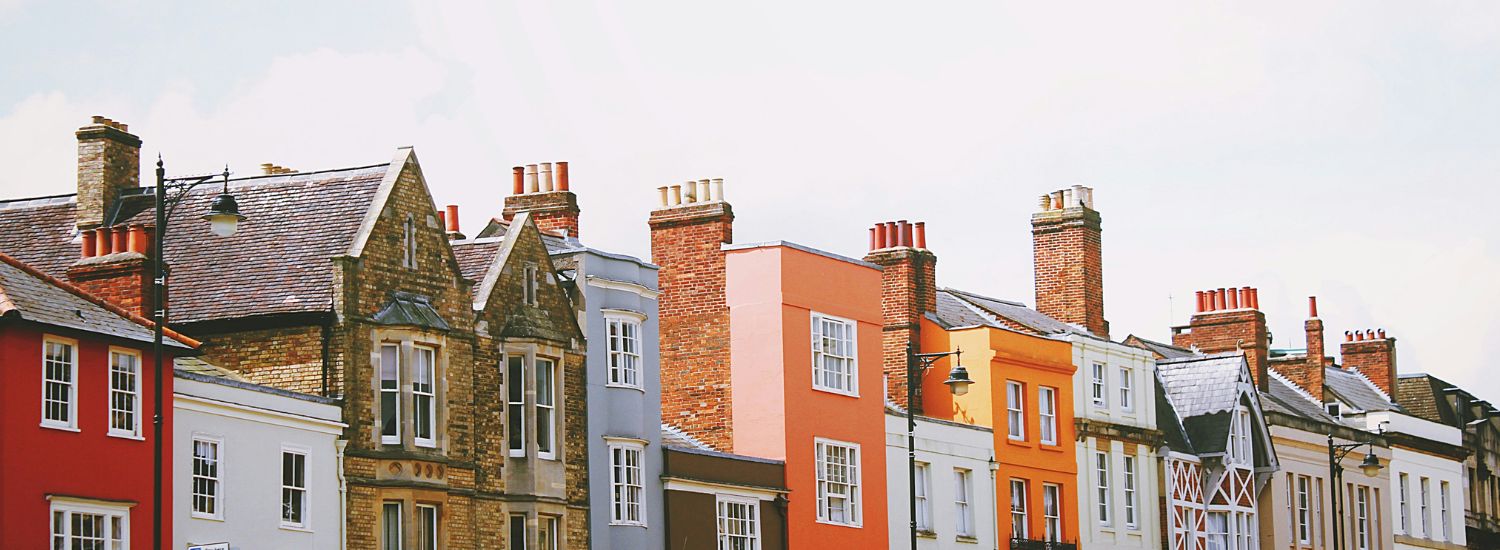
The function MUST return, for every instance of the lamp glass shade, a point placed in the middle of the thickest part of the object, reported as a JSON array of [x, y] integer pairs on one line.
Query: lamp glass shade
[[958, 380], [1371, 465], [224, 215]]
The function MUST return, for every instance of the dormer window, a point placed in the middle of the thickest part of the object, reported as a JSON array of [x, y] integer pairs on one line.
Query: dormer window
[[1334, 408]]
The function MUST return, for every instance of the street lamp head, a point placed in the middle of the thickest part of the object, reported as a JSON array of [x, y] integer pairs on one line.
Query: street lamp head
[[958, 380], [224, 215], [1371, 464]]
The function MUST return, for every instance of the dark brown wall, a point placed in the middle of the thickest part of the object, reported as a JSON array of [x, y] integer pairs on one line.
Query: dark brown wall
[[692, 522]]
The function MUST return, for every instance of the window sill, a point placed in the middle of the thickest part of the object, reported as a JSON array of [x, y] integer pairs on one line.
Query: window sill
[[926, 533], [849, 525], [836, 391], [969, 539], [424, 444], [1052, 447], [136, 437], [625, 387], [61, 428], [1019, 443], [627, 524], [296, 528], [207, 517]]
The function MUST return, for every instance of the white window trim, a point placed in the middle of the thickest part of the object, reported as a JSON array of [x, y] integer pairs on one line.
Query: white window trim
[[856, 483], [1101, 487], [1127, 389], [815, 332], [1403, 499], [437, 523], [400, 523], [1445, 492], [1361, 518], [1025, 511], [218, 478], [924, 496], [1302, 509], [1130, 485], [306, 453], [69, 506], [380, 353], [1046, 419], [135, 431], [552, 409], [1424, 484], [626, 446], [72, 423], [624, 317], [432, 395], [516, 423], [1057, 505], [963, 485], [1019, 409], [510, 522], [553, 524], [1099, 391], [753, 505]]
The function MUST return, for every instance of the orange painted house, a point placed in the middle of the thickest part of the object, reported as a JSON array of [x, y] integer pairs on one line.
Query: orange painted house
[[774, 350], [1023, 383]]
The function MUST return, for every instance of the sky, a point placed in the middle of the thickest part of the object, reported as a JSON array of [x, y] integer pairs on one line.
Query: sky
[[1338, 149]]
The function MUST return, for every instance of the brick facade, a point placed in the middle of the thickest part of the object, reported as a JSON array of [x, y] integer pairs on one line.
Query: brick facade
[[109, 160], [1374, 357], [908, 291], [687, 241], [553, 212], [1067, 254], [1242, 330], [123, 278]]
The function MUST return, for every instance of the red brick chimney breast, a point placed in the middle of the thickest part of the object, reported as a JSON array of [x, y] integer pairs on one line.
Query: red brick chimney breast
[[552, 205], [1068, 262], [121, 276], [1374, 357], [908, 290], [1220, 329]]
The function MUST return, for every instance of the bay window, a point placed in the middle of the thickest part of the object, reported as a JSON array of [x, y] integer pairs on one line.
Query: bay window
[[546, 407], [410, 377], [427, 527], [81, 524], [390, 394], [423, 396], [515, 410], [392, 529], [624, 351]]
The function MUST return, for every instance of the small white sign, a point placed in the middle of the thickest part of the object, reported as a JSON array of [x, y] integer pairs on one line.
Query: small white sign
[[209, 546]]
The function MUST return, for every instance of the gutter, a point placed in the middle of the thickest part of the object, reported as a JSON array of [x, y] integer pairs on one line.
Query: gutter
[[995, 504], [339, 446]]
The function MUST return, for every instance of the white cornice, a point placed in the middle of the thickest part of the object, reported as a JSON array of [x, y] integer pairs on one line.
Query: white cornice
[[623, 286]]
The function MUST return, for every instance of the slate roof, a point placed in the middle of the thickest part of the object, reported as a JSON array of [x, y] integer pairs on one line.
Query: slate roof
[[1165, 351], [953, 312], [1016, 315], [1168, 422], [198, 367], [278, 262], [1422, 396], [1353, 388], [476, 255], [1286, 398], [410, 310], [28, 294], [1202, 384], [671, 436]]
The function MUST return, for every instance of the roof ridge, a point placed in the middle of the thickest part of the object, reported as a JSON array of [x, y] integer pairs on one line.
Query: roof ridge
[[1304, 393], [978, 295], [81, 293], [1367, 381], [679, 432]]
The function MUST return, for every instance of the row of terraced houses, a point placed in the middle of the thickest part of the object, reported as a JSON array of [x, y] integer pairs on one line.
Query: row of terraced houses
[[349, 370]]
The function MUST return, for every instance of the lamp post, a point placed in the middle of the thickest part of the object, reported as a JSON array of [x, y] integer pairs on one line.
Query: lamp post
[[1370, 466], [224, 218], [958, 382]]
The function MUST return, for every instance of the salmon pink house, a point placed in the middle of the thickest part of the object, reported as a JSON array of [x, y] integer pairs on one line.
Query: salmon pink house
[[75, 436], [783, 343]]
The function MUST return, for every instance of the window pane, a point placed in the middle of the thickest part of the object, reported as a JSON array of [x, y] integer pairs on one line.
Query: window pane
[[515, 385], [392, 530], [546, 390], [390, 391], [517, 532]]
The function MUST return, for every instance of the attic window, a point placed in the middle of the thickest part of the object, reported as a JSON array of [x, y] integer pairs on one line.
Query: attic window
[[409, 243], [1334, 408], [531, 284]]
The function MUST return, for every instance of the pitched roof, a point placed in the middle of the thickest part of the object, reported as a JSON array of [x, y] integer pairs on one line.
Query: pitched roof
[[27, 293], [1353, 388], [410, 310], [1169, 423], [477, 255], [1203, 384], [1016, 316], [1164, 351], [278, 262], [1285, 397], [673, 436], [1421, 396]]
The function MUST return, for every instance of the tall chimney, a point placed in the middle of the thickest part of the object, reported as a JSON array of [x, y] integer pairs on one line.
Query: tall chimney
[[1375, 357], [109, 161], [118, 269], [908, 290], [551, 204], [1220, 329], [1308, 373], [687, 240], [1068, 262]]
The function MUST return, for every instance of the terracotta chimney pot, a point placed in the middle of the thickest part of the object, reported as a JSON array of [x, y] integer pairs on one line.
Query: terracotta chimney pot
[[562, 176]]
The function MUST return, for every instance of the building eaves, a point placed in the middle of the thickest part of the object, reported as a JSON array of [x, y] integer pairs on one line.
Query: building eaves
[[803, 248]]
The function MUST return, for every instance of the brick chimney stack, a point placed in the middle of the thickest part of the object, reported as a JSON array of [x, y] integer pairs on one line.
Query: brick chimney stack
[[689, 228], [114, 265], [1068, 259], [109, 160], [536, 188], [908, 290], [1308, 373], [1373, 354], [1228, 320]]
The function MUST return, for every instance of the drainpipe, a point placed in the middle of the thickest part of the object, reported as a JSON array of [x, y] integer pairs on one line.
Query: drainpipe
[[994, 504], [338, 447]]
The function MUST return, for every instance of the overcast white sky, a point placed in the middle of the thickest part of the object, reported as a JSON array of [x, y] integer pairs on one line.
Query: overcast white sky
[[1344, 150]]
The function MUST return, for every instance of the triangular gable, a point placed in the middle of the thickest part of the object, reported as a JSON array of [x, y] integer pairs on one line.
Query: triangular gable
[[405, 156], [521, 319]]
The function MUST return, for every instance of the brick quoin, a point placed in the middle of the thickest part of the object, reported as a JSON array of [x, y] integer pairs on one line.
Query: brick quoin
[[1067, 254], [687, 242], [908, 290]]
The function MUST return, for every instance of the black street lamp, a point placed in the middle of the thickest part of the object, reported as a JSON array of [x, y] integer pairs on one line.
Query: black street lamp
[[224, 218], [958, 382], [1370, 466]]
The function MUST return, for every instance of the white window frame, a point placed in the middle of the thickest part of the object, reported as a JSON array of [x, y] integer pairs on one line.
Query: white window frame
[[1404, 491], [216, 480], [419, 394], [1245, 527], [924, 493], [433, 523], [62, 509], [133, 396], [627, 484], [1210, 535], [846, 379], [1128, 473], [623, 334], [546, 410], [71, 424], [1444, 493], [963, 509], [1246, 437], [409, 243], [1046, 405], [1018, 512], [1127, 389], [1100, 386], [1101, 487], [1362, 518], [547, 532], [531, 291], [388, 438], [1015, 410], [510, 529], [515, 400], [1425, 496], [1051, 512], [851, 490], [399, 541], [304, 496], [725, 505], [1303, 496]]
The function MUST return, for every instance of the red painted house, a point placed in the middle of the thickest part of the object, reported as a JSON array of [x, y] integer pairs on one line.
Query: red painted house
[[75, 433]]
